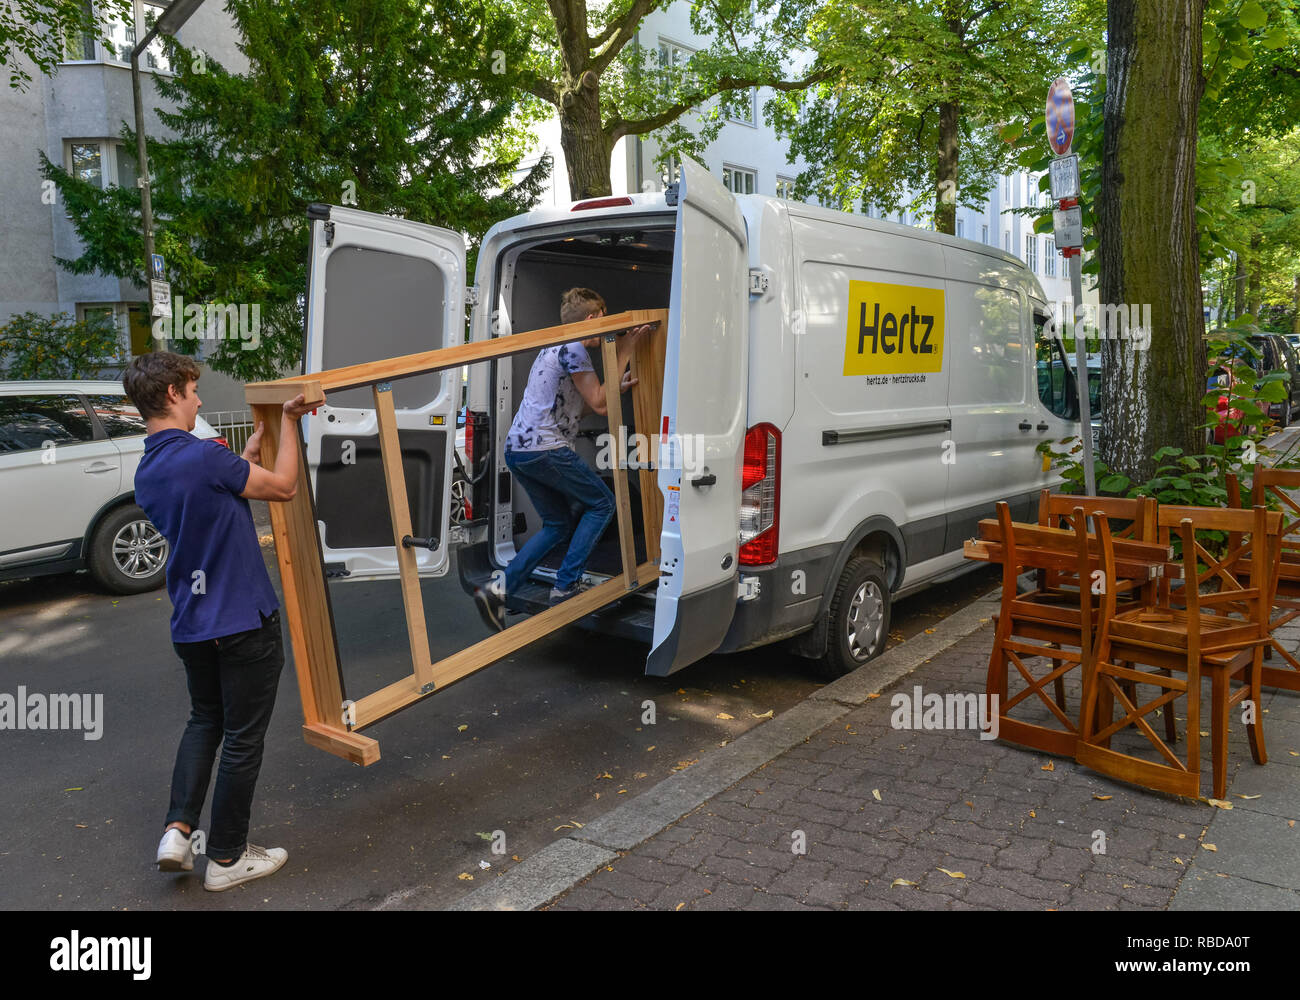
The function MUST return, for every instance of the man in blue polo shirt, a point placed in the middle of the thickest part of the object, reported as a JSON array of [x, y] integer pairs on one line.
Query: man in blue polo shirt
[[225, 622]]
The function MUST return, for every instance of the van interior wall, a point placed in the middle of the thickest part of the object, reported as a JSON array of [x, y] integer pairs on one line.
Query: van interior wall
[[540, 277]]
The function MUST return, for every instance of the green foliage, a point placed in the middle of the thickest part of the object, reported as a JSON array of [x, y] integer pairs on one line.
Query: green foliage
[[389, 106], [871, 133], [42, 31], [56, 347]]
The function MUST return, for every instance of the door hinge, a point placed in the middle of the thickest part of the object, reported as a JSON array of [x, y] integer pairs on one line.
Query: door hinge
[[471, 295], [329, 234], [757, 281], [747, 588]]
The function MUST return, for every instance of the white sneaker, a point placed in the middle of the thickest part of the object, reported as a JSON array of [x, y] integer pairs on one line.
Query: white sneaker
[[255, 862], [174, 852]]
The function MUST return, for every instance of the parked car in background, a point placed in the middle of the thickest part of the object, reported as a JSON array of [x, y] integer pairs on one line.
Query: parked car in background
[[68, 455], [1269, 352]]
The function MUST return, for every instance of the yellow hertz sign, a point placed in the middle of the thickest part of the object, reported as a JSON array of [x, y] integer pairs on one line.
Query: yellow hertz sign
[[893, 329]]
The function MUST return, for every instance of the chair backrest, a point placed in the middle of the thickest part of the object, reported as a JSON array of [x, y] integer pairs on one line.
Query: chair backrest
[[1272, 484], [1246, 559], [1139, 512]]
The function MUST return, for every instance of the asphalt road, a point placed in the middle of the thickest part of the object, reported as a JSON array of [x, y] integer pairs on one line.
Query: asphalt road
[[551, 736]]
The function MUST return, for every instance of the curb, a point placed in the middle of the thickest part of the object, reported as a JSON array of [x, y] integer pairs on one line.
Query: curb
[[559, 867]]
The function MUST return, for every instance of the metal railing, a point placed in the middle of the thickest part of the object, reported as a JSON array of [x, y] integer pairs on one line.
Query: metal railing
[[233, 425]]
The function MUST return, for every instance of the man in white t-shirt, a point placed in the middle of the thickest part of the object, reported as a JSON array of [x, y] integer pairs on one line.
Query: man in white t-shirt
[[539, 452]]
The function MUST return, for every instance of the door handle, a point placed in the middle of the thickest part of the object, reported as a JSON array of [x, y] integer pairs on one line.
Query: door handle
[[92, 469], [1043, 427], [708, 480], [1025, 425]]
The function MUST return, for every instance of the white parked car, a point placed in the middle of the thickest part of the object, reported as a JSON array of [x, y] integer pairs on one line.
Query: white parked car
[[68, 455]]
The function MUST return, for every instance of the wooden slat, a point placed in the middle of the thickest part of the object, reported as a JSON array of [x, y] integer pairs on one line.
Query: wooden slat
[[350, 746], [1046, 537], [614, 416], [399, 510], [647, 411], [1034, 557], [1217, 518], [302, 581], [275, 393], [457, 666], [387, 369]]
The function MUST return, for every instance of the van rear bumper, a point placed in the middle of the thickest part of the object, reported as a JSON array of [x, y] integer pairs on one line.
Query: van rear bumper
[[789, 594]]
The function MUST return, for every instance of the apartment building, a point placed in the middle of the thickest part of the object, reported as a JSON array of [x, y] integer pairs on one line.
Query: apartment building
[[75, 117]]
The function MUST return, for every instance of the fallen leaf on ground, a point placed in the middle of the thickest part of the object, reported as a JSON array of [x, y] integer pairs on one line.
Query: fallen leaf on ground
[[1290, 822], [971, 804], [648, 749], [1240, 796], [901, 881], [465, 877], [1049, 766], [1103, 798], [576, 823], [483, 836], [678, 906], [622, 791], [1204, 733], [606, 775], [929, 631], [1182, 836], [77, 789], [1032, 814], [875, 794], [953, 874], [1209, 847], [870, 697], [514, 857], [1293, 753], [1219, 803], [639, 775], [766, 715], [562, 826], [461, 729], [1180, 861], [724, 715], [681, 690], [81, 826], [682, 765]]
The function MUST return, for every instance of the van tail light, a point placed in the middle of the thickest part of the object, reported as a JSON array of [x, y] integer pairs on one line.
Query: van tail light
[[476, 454], [582, 206], [760, 496]]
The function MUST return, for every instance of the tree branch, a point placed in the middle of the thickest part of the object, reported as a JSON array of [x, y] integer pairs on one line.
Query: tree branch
[[619, 32]]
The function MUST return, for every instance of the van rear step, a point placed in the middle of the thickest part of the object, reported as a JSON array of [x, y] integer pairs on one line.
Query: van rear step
[[633, 618]]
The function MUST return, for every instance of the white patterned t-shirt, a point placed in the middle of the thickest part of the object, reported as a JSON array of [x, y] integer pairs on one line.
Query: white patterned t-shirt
[[552, 405]]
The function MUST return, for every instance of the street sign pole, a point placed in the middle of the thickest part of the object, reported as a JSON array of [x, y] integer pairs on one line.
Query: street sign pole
[[1068, 227]]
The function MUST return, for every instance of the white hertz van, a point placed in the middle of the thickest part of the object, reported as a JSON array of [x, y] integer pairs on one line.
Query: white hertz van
[[843, 399]]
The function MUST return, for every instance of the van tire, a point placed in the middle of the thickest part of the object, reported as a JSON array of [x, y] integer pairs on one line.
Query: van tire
[[857, 621], [129, 530]]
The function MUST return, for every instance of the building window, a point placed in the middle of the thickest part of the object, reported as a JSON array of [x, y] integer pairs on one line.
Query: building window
[[737, 180], [673, 56], [1006, 240], [154, 56], [984, 235], [1031, 252], [121, 38], [961, 227], [102, 162], [120, 34], [785, 188], [80, 46], [746, 115], [87, 162]]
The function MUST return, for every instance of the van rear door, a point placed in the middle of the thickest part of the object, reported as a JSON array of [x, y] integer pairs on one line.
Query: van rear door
[[380, 287], [702, 430]]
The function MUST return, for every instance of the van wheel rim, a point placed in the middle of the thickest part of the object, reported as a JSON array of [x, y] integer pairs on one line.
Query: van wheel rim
[[139, 550], [866, 620], [458, 491]]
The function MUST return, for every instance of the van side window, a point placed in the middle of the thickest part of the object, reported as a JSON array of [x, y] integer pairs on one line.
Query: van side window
[[989, 361], [1055, 378]]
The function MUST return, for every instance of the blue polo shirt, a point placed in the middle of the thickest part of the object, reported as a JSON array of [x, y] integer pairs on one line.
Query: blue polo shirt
[[215, 574]]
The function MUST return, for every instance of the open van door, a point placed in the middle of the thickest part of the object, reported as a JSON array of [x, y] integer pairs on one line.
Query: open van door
[[702, 434], [378, 288]]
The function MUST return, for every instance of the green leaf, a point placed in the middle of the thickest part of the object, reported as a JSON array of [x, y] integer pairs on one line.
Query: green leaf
[[1011, 132], [1114, 484], [1252, 15]]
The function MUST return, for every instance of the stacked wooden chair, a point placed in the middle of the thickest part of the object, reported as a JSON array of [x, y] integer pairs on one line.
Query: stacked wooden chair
[[1055, 621], [1221, 634], [1270, 486]]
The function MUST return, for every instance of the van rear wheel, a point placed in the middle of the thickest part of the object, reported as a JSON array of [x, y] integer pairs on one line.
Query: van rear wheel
[[858, 618]]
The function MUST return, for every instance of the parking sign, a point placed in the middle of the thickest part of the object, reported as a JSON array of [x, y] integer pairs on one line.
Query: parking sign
[[1060, 116]]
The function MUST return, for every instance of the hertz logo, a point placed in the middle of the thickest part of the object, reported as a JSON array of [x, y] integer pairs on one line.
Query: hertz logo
[[893, 329]]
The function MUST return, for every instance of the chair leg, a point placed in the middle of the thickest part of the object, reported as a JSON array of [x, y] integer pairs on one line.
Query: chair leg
[[1105, 711], [1171, 731], [1219, 731], [1255, 729]]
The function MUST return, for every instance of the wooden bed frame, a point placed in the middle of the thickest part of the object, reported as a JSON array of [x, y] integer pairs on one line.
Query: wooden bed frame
[[332, 723]]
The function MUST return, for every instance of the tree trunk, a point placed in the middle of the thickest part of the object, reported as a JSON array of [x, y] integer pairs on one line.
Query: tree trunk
[[1239, 288], [587, 146], [1295, 301], [1255, 297], [945, 196], [1147, 231]]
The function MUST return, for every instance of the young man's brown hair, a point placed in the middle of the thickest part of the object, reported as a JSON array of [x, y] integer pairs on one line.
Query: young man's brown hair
[[579, 303], [147, 377]]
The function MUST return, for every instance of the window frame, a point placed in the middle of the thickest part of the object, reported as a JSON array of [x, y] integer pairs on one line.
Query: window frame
[[735, 171]]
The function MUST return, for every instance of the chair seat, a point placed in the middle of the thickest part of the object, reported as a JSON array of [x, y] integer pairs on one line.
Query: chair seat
[[1168, 628]]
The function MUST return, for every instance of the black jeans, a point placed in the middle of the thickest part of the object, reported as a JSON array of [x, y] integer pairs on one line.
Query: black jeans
[[233, 682]]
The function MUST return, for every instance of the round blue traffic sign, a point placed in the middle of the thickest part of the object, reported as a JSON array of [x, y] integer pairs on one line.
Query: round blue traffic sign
[[1060, 117]]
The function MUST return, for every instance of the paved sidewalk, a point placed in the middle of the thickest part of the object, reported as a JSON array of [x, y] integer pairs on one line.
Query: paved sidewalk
[[830, 806]]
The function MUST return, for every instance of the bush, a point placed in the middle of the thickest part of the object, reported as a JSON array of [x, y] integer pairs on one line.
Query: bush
[[57, 347]]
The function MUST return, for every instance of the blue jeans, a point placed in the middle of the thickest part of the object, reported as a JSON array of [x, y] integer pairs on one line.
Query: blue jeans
[[555, 480], [233, 682]]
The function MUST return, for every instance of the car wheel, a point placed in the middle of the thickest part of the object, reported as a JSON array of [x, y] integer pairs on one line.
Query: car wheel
[[128, 555], [459, 492], [858, 617]]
